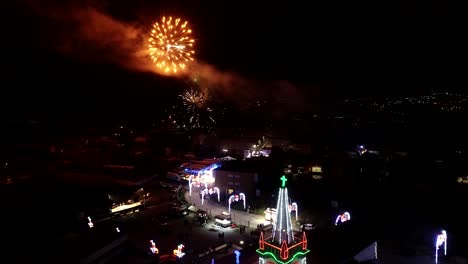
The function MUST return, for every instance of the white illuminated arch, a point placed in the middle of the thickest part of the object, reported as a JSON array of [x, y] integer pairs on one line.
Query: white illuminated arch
[[232, 197], [203, 193], [190, 184], [206, 174], [216, 190], [242, 195], [441, 239], [210, 191], [342, 218], [201, 175], [229, 202], [293, 207]]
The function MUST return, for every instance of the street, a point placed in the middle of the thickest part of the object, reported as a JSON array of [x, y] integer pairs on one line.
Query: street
[[168, 231]]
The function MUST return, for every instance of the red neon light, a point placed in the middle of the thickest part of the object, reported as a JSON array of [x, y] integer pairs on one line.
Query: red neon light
[[261, 242], [284, 252], [273, 246], [295, 245], [278, 248], [304, 241]]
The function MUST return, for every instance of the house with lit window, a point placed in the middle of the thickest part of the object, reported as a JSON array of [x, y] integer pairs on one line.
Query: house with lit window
[[242, 177]]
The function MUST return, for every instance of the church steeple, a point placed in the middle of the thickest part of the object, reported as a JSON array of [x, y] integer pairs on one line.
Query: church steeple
[[282, 230], [282, 247]]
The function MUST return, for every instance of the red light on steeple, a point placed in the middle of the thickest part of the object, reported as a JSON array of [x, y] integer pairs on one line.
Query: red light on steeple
[[284, 252], [261, 242], [304, 241], [282, 247]]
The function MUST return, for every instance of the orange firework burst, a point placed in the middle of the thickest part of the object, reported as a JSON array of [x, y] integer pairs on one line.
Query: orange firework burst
[[171, 45]]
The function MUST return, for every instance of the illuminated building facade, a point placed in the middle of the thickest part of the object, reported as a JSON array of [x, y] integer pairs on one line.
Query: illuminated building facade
[[283, 246], [237, 178]]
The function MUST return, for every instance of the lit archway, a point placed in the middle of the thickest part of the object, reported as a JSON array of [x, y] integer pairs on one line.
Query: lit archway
[[342, 218], [203, 193], [210, 192], [242, 196], [216, 190], [293, 207], [190, 184], [206, 175], [231, 198], [236, 198]]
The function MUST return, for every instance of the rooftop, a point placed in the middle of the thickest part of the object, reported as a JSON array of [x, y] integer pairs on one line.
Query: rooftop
[[250, 165]]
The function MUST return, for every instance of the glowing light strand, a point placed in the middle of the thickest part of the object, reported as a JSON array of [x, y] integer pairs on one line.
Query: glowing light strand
[[441, 239], [229, 202], [342, 218], [216, 190], [293, 258], [294, 208], [288, 219], [277, 206], [190, 184], [242, 195], [203, 193], [281, 216]]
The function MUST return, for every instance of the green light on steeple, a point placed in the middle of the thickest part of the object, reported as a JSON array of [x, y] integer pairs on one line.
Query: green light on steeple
[[269, 254], [283, 179]]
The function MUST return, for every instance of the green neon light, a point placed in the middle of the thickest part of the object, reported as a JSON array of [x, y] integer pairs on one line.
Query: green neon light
[[283, 184], [282, 262]]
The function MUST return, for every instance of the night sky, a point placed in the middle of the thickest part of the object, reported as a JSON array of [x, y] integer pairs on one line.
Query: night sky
[[326, 50]]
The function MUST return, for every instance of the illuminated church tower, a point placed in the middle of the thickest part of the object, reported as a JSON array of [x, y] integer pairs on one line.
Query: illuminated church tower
[[282, 247]]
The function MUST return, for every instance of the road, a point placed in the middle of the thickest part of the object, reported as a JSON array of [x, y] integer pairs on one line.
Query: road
[[146, 225], [213, 208]]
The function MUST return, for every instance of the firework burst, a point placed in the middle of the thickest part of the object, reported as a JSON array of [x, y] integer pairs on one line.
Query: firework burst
[[198, 113], [193, 99], [171, 45]]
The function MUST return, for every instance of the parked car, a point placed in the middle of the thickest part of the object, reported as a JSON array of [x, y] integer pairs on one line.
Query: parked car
[[179, 204], [307, 227]]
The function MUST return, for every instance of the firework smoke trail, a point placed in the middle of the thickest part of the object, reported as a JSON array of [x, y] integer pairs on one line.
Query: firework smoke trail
[[84, 32]]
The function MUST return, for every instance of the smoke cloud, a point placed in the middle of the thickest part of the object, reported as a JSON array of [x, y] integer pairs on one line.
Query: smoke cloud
[[80, 30], [239, 89], [92, 35], [98, 37]]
